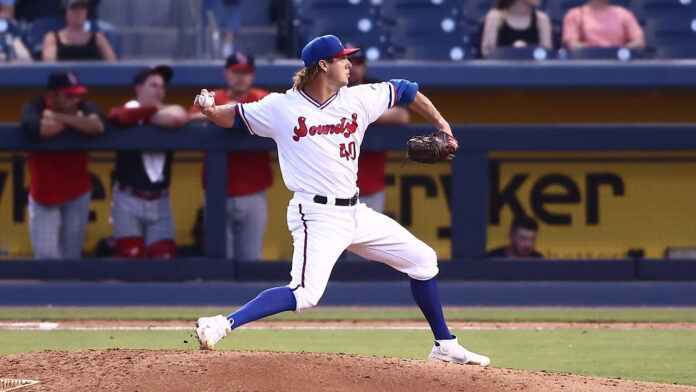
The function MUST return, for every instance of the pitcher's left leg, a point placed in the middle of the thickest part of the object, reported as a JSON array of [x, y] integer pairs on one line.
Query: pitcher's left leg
[[382, 239]]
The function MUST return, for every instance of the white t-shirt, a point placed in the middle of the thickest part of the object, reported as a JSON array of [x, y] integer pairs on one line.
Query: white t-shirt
[[152, 161], [319, 143]]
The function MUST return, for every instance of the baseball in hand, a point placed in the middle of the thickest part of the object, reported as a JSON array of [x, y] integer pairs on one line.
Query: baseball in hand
[[205, 100]]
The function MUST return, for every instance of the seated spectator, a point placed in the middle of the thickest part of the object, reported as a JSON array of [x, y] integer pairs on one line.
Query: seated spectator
[[60, 187], [141, 211], [11, 46], [73, 43], [523, 234], [516, 23], [249, 173], [598, 23], [7, 9]]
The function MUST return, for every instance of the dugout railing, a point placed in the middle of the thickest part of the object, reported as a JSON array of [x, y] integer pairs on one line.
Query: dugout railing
[[469, 212]]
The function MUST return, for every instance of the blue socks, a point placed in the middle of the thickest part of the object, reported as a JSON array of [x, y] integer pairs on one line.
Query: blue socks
[[281, 299], [271, 301], [427, 297]]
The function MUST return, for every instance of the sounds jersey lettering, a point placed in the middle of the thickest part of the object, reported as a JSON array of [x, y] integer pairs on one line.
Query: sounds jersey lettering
[[318, 143], [342, 128]]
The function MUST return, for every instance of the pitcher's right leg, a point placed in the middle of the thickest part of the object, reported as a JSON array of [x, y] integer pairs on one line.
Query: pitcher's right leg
[[320, 234]]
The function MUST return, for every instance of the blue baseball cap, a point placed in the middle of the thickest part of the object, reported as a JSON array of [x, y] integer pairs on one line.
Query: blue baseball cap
[[324, 47]]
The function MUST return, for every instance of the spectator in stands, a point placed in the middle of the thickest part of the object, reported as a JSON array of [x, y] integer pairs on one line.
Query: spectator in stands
[[516, 23], [371, 163], [227, 15], [7, 8], [60, 187], [141, 211], [11, 46], [73, 43], [249, 173], [523, 234], [598, 23]]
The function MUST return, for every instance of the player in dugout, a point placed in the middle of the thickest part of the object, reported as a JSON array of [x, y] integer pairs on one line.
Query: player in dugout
[[60, 187], [249, 173], [141, 210]]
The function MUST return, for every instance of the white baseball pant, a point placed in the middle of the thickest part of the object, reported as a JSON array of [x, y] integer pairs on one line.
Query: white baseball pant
[[321, 232]]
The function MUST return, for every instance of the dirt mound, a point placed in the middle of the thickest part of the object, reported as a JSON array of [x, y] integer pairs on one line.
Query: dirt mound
[[193, 370]]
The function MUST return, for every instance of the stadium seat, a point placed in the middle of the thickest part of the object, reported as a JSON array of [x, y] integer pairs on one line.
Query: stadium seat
[[415, 8], [609, 53], [362, 31], [671, 31], [334, 10], [432, 52], [474, 11], [34, 35], [657, 9], [676, 52], [430, 39], [526, 53]]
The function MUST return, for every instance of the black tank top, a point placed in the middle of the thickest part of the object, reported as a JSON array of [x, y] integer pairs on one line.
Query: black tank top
[[507, 35], [88, 51]]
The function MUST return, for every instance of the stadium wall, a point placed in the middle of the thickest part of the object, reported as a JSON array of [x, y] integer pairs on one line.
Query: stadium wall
[[469, 198]]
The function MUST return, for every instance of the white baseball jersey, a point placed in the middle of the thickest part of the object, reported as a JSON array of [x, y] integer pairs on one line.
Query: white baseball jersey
[[319, 143]]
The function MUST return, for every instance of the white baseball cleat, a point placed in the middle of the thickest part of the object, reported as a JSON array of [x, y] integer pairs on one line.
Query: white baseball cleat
[[450, 351], [211, 330]]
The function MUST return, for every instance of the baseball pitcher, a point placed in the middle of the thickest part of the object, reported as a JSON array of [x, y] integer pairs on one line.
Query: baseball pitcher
[[318, 126]]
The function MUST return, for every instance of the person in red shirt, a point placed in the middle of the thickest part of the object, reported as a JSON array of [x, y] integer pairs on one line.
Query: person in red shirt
[[371, 163], [248, 172], [60, 187]]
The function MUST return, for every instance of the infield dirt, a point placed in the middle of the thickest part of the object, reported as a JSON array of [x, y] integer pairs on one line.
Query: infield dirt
[[193, 370]]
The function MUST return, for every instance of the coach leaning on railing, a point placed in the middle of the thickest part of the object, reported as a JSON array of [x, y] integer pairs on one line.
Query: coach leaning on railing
[[60, 188]]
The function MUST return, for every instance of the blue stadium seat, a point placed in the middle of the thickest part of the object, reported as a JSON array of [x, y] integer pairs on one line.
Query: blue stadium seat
[[33, 37], [610, 53], [416, 9], [474, 11], [364, 32], [526, 53], [676, 52], [341, 17], [671, 31], [336, 10], [658, 9], [430, 38], [432, 52]]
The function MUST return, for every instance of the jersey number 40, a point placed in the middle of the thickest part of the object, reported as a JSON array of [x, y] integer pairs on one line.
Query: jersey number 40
[[348, 153]]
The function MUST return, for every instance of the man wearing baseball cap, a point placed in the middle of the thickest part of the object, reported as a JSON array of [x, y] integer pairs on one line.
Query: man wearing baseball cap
[[318, 127], [141, 211], [249, 173], [60, 187]]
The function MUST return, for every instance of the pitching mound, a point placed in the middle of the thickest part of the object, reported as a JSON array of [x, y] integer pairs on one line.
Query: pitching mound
[[172, 370]]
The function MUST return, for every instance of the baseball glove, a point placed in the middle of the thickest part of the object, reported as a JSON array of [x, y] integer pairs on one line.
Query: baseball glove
[[436, 147]]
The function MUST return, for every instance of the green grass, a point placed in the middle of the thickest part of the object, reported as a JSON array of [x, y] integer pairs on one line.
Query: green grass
[[667, 356], [372, 314]]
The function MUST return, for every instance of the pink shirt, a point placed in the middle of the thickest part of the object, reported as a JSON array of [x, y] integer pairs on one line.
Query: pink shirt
[[610, 26]]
